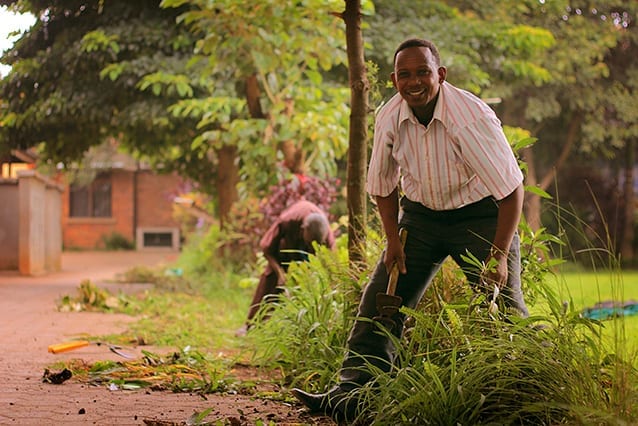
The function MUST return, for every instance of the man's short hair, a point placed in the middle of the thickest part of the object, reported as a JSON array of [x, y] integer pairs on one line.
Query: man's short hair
[[419, 42]]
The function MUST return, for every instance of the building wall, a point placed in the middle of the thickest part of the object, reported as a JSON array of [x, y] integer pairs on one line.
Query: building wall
[[87, 232], [53, 231], [33, 223], [123, 202], [9, 224], [155, 195], [150, 206], [30, 227]]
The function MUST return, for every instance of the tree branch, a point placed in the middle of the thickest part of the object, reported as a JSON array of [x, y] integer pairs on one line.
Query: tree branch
[[572, 133]]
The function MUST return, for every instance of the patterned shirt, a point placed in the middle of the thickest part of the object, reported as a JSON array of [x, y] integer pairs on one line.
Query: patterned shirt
[[461, 157]]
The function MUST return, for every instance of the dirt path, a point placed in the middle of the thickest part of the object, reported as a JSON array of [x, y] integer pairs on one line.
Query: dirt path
[[30, 323]]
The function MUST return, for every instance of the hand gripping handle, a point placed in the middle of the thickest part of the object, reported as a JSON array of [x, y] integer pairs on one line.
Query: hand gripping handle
[[394, 271]]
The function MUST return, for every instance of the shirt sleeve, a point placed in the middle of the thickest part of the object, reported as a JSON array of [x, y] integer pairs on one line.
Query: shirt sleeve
[[383, 171], [489, 154]]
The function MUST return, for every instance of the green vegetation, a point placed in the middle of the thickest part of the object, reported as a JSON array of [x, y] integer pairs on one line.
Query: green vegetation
[[117, 241], [469, 364], [456, 362], [256, 101], [586, 289], [237, 98], [556, 367], [89, 297]]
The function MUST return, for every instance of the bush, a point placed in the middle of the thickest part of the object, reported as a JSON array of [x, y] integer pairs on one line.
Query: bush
[[316, 312], [237, 244], [321, 192], [456, 363], [463, 367], [117, 241], [252, 218]]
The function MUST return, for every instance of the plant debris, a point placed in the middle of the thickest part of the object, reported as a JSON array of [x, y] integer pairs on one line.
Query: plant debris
[[153, 422], [183, 371], [56, 378], [92, 298]]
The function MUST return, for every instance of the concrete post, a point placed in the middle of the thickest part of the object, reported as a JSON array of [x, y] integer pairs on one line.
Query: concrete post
[[32, 211], [53, 227], [9, 224]]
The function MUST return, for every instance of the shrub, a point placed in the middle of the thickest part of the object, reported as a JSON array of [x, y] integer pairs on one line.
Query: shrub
[[236, 245], [456, 363], [316, 312], [116, 241], [252, 219]]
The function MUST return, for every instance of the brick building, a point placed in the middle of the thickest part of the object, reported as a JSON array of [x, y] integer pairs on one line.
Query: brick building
[[124, 202], [41, 215]]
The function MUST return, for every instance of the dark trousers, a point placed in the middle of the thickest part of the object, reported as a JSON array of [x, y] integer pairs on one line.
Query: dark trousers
[[432, 237], [267, 286]]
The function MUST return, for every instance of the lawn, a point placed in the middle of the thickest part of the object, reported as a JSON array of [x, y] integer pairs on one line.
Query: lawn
[[589, 288], [585, 289]]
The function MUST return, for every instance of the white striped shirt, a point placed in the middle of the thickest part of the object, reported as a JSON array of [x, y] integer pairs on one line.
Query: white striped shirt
[[461, 157]]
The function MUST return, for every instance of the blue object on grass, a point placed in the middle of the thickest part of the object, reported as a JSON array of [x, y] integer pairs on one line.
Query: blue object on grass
[[607, 310]]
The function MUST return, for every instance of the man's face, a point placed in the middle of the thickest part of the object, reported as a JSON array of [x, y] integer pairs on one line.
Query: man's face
[[417, 76]]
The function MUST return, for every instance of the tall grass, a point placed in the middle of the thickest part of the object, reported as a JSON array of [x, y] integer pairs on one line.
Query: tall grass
[[456, 364], [464, 367], [304, 330]]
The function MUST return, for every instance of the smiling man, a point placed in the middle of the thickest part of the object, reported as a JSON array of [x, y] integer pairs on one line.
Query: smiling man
[[442, 169]]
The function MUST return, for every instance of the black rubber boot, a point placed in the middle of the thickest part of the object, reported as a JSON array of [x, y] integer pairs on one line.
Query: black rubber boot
[[319, 402], [335, 403]]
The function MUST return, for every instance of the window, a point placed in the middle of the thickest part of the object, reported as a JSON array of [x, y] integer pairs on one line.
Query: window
[[158, 239], [92, 200]]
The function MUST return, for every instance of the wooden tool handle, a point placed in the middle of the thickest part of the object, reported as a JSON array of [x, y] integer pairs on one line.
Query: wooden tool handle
[[394, 271], [68, 346]]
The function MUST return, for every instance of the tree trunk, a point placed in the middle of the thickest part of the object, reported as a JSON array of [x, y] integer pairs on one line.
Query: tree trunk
[[226, 182], [627, 239], [294, 155], [252, 97], [570, 141], [532, 204], [358, 134], [228, 168], [532, 207]]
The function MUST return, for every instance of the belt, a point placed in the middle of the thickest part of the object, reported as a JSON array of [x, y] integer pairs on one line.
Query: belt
[[487, 207]]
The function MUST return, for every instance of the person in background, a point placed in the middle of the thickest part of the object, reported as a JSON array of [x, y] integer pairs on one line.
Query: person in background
[[290, 238], [462, 191]]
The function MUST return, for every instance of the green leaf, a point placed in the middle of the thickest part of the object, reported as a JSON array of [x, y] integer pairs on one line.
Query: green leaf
[[198, 417], [184, 90], [112, 71], [537, 191], [314, 77], [524, 143]]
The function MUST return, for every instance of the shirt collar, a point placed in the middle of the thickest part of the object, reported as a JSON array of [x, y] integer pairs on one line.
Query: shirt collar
[[405, 112]]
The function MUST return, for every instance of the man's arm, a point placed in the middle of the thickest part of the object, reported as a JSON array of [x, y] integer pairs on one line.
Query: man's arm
[[389, 212], [270, 249], [275, 266], [509, 215]]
